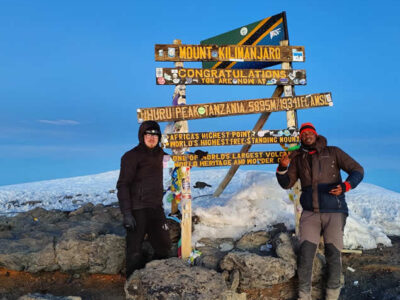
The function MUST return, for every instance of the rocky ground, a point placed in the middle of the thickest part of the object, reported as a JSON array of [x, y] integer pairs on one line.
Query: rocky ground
[[376, 276], [81, 253], [14, 284]]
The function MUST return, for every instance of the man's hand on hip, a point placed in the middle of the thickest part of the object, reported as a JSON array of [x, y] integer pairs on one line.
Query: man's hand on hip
[[336, 190]]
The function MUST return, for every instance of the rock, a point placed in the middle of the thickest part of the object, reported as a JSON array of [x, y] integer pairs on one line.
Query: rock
[[392, 294], [90, 239], [174, 279], [174, 230], [222, 244], [277, 228], [104, 254], [231, 295], [257, 271], [47, 297], [87, 208], [212, 251], [210, 258], [28, 254], [284, 248], [252, 241], [234, 280], [201, 185]]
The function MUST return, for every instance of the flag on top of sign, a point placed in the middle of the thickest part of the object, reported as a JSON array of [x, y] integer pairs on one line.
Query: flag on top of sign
[[269, 31]]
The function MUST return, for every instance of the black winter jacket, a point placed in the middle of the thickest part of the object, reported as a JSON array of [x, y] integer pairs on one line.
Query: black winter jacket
[[140, 182], [324, 175]]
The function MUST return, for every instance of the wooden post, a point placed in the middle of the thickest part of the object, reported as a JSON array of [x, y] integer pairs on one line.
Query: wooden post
[[260, 123], [179, 98], [186, 206], [291, 119]]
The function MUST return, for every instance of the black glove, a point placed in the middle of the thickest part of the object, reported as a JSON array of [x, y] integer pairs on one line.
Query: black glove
[[129, 221]]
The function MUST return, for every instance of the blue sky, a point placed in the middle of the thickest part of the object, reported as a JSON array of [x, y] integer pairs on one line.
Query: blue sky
[[73, 73]]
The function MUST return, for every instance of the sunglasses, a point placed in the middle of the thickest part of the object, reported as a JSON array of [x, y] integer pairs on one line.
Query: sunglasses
[[152, 132]]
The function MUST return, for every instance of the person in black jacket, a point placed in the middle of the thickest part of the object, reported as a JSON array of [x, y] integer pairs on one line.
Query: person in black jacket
[[140, 193]]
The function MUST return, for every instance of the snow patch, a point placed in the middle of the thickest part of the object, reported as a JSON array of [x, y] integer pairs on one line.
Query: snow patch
[[252, 201]]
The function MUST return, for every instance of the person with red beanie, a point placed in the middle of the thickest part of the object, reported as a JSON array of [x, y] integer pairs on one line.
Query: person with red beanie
[[318, 167]]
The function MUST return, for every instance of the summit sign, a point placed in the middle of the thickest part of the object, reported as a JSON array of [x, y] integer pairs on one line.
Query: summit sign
[[231, 108], [229, 53]]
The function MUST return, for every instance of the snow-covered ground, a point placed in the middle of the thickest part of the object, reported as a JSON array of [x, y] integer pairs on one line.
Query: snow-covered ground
[[252, 201]]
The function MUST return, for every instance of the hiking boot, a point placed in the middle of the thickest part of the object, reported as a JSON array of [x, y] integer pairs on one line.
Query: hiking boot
[[304, 295], [332, 294]]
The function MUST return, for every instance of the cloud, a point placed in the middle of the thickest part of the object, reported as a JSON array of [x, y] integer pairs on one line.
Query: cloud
[[59, 122]]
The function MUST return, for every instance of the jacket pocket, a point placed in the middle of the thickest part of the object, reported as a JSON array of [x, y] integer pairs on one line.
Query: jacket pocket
[[306, 198], [330, 202]]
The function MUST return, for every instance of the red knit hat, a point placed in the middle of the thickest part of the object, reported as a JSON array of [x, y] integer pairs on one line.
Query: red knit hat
[[307, 127]]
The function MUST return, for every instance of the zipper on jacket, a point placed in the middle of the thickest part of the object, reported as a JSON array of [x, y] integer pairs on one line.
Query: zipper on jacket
[[338, 202]]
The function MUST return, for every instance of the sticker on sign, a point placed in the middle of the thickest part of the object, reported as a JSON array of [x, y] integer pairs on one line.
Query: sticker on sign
[[159, 72], [297, 55]]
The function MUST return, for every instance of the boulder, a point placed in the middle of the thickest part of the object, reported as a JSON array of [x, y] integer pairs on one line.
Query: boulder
[[257, 271], [284, 249], [252, 241], [212, 251], [37, 296], [90, 239], [105, 254], [174, 279], [32, 254]]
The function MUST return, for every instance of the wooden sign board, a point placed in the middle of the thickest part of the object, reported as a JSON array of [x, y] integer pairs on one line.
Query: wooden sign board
[[228, 159], [269, 31], [239, 53], [229, 138], [192, 76], [232, 108]]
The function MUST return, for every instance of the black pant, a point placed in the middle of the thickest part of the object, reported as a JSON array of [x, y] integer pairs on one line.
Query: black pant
[[153, 222]]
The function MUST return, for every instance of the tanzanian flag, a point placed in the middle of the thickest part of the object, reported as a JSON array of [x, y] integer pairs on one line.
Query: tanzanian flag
[[269, 31]]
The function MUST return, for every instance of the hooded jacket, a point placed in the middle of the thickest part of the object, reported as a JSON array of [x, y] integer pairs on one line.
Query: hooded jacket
[[140, 182], [319, 177]]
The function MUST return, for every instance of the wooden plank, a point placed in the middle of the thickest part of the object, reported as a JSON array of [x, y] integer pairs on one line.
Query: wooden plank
[[228, 159], [228, 138], [195, 76], [233, 169], [237, 53], [232, 108], [352, 251]]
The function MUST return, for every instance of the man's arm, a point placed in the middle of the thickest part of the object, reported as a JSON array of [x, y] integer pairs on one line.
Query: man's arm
[[352, 168], [286, 172], [126, 177]]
